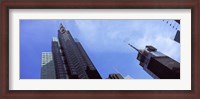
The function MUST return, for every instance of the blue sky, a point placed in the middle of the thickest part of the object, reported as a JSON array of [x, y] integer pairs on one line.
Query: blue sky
[[105, 41]]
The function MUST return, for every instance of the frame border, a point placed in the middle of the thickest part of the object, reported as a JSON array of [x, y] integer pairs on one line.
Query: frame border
[[103, 4]]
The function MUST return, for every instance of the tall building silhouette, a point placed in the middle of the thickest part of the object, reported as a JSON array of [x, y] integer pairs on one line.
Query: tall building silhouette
[[47, 66], [70, 59], [158, 65]]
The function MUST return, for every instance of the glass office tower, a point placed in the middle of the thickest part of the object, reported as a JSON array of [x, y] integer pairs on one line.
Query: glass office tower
[[47, 66], [70, 59]]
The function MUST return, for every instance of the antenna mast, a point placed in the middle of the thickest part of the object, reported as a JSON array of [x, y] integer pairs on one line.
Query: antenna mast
[[133, 47]]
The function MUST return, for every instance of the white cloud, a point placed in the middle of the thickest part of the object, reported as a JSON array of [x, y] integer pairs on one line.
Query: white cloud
[[113, 35]]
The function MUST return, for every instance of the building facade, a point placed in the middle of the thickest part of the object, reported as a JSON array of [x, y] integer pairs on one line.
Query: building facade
[[115, 76], [58, 60], [47, 66], [70, 59]]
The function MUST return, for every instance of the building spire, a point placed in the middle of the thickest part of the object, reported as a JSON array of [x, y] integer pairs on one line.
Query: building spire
[[61, 25], [133, 47]]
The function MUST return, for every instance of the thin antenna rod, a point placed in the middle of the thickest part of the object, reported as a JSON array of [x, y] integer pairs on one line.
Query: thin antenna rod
[[133, 47]]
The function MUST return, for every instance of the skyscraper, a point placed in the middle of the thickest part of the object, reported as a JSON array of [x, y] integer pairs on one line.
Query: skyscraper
[[177, 37], [47, 66], [70, 59], [60, 67], [175, 24], [157, 64]]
